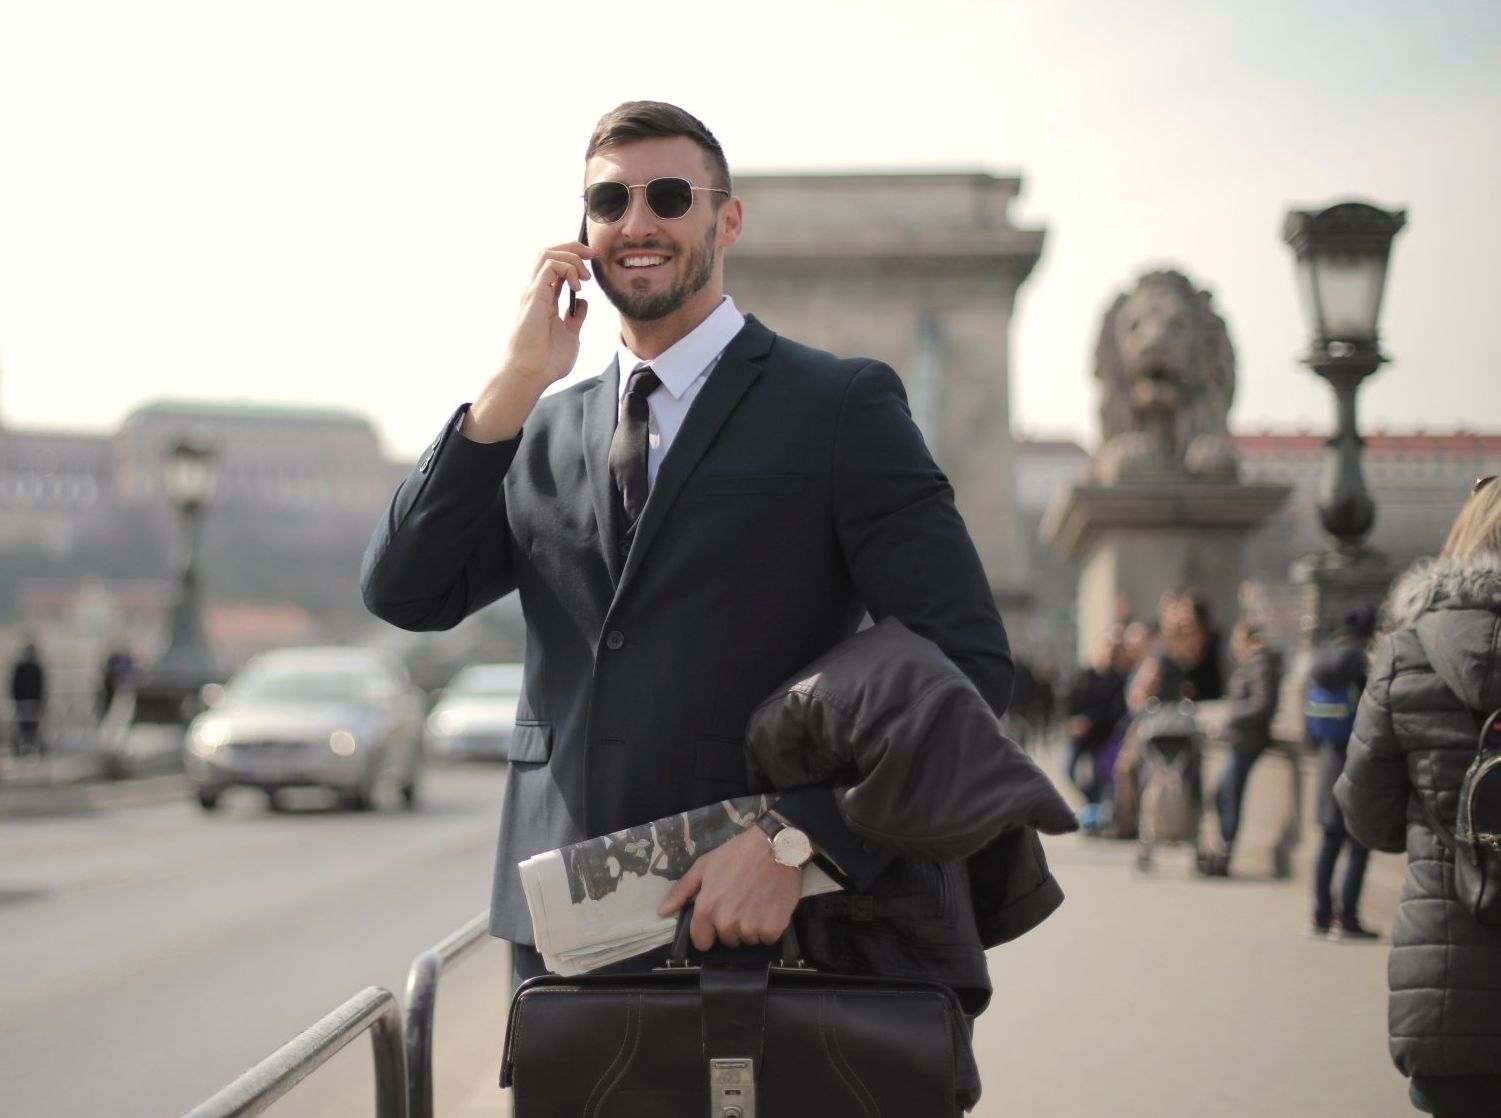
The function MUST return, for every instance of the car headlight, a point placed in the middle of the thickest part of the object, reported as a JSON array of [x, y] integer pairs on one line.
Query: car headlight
[[207, 737], [342, 742], [448, 723]]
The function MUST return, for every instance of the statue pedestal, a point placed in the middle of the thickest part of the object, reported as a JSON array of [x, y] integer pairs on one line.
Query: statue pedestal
[[1135, 541]]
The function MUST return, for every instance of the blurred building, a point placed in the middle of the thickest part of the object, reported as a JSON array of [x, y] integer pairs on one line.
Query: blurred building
[[921, 271], [86, 529]]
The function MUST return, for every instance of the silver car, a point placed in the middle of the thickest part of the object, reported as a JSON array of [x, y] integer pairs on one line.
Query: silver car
[[341, 718], [475, 715]]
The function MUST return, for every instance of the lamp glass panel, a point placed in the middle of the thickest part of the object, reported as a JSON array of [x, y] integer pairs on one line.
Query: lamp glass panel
[[1308, 298], [1349, 294], [190, 475]]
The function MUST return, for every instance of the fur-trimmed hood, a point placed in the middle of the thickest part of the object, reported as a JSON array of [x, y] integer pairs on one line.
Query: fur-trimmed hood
[[1455, 610], [1442, 584]]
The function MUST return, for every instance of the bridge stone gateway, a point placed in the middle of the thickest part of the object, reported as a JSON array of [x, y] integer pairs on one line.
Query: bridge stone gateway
[[920, 271]]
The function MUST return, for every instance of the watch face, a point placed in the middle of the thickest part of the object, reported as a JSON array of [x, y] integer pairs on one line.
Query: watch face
[[791, 847]]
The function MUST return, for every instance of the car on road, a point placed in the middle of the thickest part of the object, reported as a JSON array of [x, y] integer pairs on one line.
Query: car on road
[[343, 718], [475, 715]]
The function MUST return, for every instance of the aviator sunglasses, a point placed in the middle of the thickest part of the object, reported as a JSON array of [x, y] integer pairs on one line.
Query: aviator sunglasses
[[669, 198]]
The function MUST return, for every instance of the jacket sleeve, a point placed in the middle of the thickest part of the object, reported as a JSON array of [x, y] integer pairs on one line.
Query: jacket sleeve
[[442, 551], [1253, 695], [904, 540], [1374, 788]]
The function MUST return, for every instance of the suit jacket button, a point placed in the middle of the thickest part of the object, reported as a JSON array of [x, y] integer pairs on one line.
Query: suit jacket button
[[614, 640]]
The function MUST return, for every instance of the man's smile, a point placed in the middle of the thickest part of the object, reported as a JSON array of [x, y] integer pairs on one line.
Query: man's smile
[[643, 260]]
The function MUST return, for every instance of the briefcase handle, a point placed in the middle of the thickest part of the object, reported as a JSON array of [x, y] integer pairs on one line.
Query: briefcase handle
[[792, 954]]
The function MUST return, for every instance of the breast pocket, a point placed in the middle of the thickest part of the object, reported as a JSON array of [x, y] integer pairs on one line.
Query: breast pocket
[[747, 485]]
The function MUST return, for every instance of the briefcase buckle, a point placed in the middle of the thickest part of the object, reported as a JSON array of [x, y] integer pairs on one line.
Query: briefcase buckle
[[732, 1088]]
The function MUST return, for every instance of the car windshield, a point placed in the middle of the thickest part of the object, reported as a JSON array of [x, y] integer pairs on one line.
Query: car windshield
[[313, 685]]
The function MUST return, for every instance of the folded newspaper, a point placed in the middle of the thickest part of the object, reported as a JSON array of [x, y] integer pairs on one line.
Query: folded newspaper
[[595, 902]]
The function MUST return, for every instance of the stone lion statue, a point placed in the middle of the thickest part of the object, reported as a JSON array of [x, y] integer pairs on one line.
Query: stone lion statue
[[1167, 377]]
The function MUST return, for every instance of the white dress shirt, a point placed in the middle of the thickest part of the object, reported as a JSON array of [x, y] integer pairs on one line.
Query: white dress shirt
[[682, 368]]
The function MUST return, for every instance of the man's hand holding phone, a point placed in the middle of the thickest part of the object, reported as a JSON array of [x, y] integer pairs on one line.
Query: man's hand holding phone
[[543, 346]]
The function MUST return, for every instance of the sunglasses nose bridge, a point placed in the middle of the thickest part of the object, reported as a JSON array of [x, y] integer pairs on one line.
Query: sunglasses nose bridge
[[638, 213]]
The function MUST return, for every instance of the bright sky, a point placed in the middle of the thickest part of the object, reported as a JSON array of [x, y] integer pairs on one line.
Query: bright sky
[[339, 201]]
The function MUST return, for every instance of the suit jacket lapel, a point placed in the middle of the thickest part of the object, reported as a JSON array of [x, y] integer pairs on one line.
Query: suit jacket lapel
[[731, 379], [601, 410]]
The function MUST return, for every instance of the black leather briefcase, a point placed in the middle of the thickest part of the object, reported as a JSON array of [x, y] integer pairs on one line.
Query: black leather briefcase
[[762, 1041]]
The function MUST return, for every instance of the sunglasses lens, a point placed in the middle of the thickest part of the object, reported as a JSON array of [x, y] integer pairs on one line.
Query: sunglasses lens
[[669, 198], [607, 201]]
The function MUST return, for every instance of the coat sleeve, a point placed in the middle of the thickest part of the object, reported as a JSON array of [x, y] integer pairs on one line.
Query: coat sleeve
[[442, 550], [1374, 788], [904, 540], [1253, 695]]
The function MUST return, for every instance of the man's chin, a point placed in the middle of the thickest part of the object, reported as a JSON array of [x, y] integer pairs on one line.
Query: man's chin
[[645, 307]]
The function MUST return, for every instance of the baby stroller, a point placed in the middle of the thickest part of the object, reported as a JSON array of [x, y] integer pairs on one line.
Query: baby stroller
[[1170, 793]]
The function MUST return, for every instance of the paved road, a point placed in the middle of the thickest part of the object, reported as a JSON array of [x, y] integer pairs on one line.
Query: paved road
[[148, 955]]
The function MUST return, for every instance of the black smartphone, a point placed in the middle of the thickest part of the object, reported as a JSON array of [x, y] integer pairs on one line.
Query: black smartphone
[[573, 299]]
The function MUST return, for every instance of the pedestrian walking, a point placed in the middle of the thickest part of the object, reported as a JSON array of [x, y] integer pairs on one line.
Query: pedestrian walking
[[1336, 679], [1434, 678], [119, 672], [28, 696], [1252, 704], [1096, 703]]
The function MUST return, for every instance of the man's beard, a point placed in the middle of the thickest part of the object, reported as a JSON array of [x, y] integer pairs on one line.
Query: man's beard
[[697, 271]]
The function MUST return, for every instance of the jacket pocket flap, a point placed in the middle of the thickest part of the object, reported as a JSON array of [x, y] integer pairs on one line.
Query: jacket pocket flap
[[736, 484], [531, 742], [720, 760]]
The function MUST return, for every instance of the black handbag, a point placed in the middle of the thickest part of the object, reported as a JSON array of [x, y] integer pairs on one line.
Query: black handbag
[[756, 1041]]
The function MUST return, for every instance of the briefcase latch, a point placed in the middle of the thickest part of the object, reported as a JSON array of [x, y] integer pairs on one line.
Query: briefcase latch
[[732, 1088]]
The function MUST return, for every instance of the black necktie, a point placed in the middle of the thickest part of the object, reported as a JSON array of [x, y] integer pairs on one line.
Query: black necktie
[[628, 450]]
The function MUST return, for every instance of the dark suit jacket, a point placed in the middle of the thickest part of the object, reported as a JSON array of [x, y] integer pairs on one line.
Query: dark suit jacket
[[797, 496]]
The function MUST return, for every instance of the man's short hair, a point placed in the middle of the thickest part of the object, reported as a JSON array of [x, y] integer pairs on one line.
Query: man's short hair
[[646, 120]]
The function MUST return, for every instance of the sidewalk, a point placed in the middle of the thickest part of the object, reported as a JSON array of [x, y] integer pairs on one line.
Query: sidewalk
[[70, 781]]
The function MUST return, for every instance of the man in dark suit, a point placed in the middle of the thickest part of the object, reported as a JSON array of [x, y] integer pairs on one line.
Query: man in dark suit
[[683, 540]]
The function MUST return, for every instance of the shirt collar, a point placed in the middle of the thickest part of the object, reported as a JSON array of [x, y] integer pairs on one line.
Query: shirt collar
[[681, 363]]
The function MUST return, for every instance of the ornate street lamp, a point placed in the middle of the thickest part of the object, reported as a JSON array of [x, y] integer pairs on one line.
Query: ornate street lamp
[[1342, 253], [191, 471]]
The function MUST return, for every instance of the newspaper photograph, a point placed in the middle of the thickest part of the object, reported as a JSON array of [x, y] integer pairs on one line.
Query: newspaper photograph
[[595, 902]]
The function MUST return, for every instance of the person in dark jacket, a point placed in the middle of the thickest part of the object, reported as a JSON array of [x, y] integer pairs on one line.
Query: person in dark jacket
[[1433, 678], [28, 695], [1336, 678], [1252, 703], [1096, 702]]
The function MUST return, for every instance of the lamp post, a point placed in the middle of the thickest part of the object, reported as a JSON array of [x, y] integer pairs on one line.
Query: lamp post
[[191, 470], [1342, 253]]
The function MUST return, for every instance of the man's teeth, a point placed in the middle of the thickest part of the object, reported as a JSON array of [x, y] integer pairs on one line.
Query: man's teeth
[[642, 261]]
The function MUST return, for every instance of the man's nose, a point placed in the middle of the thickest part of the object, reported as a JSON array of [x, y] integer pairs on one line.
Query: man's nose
[[639, 222]]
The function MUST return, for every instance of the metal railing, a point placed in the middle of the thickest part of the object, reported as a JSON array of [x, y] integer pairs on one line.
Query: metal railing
[[422, 1003], [374, 1010]]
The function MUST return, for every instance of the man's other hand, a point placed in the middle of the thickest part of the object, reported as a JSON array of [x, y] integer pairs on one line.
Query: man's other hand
[[743, 895]]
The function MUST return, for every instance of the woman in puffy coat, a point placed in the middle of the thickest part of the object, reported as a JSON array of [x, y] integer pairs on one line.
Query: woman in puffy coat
[[1433, 679]]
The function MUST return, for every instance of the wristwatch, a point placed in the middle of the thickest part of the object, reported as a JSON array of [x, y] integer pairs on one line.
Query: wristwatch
[[789, 846]]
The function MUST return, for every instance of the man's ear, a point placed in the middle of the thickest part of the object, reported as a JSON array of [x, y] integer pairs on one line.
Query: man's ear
[[731, 220]]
